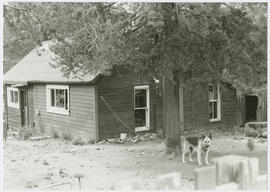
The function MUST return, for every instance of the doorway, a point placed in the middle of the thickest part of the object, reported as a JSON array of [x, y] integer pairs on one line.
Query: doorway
[[23, 107], [251, 104]]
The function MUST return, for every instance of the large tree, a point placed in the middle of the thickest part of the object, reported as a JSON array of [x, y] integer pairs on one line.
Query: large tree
[[205, 42]]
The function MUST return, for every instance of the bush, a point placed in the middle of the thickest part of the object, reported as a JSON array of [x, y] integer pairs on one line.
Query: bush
[[79, 141], [25, 133], [54, 133], [65, 134], [250, 144]]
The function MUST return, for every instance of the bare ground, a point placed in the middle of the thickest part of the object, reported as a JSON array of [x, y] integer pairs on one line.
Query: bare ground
[[32, 164]]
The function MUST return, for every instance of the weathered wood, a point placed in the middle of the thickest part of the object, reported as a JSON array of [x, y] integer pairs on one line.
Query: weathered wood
[[118, 91], [81, 120], [196, 112], [227, 186], [205, 178]]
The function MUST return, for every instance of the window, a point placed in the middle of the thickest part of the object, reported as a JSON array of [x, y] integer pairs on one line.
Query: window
[[141, 108], [13, 97], [214, 103], [58, 99]]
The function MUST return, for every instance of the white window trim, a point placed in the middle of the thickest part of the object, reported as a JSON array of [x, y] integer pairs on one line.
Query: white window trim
[[218, 105], [147, 127], [48, 98], [10, 104]]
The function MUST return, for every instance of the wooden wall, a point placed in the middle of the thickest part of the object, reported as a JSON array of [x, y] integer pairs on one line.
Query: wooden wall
[[81, 120], [196, 114], [118, 90], [14, 115]]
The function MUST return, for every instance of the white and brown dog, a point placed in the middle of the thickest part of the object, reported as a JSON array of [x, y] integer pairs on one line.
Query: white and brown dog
[[199, 144]]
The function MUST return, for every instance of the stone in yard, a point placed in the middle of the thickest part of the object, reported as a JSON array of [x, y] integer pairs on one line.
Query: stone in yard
[[31, 185], [45, 162], [170, 181], [205, 178]]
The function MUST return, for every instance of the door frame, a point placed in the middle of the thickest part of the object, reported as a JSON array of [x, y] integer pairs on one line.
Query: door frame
[[147, 114], [23, 111]]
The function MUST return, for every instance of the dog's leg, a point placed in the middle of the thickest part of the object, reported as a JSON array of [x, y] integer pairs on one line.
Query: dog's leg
[[206, 157], [199, 157], [190, 156], [183, 156]]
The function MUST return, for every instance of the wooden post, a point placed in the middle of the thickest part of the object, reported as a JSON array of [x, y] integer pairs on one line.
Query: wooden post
[[181, 101], [205, 178]]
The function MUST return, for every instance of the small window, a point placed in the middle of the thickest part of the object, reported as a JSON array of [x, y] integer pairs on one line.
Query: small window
[[13, 97], [214, 103], [141, 108], [58, 99]]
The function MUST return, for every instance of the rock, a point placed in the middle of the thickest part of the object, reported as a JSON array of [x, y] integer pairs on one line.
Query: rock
[[13, 160], [102, 142], [97, 148], [45, 162], [111, 140], [31, 185], [62, 173], [79, 141], [171, 156]]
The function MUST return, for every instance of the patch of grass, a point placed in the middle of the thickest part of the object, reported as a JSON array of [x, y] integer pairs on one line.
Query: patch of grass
[[79, 141], [65, 134]]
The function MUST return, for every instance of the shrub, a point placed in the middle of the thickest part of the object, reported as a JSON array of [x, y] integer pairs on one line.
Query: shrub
[[65, 134], [250, 144], [25, 133], [54, 133], [79, 141]]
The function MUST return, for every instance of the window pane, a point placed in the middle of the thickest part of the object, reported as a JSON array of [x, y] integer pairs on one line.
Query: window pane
[[52, 97], [140, 98], [60, 101], [15, 97], [11, 96], [210, 110], [66, 99], [140, 119], [211, 92], [215, 109]]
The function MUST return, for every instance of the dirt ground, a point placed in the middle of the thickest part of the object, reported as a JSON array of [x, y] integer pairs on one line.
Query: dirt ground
[[33, 164]]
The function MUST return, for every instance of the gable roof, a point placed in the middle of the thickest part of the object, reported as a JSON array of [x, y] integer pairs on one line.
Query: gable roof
[[36, 68]]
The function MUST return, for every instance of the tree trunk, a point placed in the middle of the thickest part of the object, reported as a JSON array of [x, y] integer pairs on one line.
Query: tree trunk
[[171, 113]]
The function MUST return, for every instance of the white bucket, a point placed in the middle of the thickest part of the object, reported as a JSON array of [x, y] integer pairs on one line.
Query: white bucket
[[123, 136]]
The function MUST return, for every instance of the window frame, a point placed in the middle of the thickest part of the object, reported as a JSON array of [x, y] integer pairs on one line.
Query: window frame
[[9, 101], [53, 109], [147, 108], [218, 100]]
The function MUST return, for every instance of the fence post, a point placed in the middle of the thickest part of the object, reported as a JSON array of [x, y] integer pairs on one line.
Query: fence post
[[205, 178], [169, 181]]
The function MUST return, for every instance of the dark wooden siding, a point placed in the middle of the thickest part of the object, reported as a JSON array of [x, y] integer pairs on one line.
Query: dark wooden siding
[[14, 116], [118, 92], [79, 123], [196, 108]]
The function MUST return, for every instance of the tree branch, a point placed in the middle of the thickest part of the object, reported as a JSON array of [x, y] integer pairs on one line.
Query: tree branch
[[17, 8]]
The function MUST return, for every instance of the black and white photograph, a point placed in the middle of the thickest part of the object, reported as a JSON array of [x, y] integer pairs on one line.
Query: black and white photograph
[[134, 96]]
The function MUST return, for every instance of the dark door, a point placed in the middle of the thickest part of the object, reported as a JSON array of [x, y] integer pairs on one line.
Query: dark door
[[251, 104], [23, 107]]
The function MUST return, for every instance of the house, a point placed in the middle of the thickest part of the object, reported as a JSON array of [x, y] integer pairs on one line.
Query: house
[[95, 107], [252, 106]]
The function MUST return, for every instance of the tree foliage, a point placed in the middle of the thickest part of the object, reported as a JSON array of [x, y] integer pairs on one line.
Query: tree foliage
[[206, 41]]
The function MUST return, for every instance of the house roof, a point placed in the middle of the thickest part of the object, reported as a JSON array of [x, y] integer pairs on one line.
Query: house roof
[[36, 68]]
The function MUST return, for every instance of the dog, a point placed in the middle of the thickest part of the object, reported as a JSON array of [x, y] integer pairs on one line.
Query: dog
[[199, 144]]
